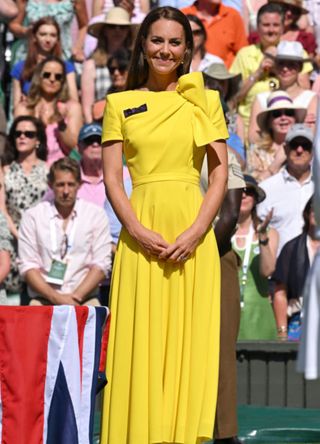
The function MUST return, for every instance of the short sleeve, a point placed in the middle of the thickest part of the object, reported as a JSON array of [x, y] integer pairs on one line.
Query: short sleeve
[[215, 114], [16, 71], [69, 66], [112, 125]]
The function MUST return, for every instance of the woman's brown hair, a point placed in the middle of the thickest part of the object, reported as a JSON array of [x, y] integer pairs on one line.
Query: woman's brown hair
[[32, 54]]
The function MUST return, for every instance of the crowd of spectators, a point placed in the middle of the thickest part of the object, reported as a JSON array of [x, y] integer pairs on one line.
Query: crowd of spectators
[[58, 61]]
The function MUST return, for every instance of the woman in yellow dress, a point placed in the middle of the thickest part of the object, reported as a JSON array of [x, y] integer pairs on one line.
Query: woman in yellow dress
[[163, 355]]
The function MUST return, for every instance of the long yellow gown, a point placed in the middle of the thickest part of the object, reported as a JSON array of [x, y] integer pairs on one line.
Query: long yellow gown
[[163, 354]]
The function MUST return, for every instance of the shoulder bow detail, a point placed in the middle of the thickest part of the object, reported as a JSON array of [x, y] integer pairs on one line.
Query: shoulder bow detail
[[191, 88]]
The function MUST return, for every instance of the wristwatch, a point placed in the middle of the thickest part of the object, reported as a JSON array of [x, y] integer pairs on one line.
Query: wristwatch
[[264, 241]]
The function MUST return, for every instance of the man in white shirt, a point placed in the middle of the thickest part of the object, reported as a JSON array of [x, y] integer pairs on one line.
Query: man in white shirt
[[64, 245], [289, 190]]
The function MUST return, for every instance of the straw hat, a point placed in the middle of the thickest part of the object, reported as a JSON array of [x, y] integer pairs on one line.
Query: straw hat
[[294, 3], [289, 50], [279, 100], [252, 183], [218, 71], [115, 16]]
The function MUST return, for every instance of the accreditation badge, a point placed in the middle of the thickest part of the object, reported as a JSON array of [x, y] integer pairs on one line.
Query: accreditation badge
[[57, 272]]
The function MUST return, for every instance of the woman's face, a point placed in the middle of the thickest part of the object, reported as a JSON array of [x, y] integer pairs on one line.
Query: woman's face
[[46, 38], [248, 200], [52, 78], [165, 47], [26, 139], [118, 74], [115, 35], [198, 36], [281, 120], [287, 71]]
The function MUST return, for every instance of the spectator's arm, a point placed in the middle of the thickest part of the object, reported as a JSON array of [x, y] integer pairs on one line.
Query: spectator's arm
[[89, 283], [72, 86], [3, 207], [97, 7], [8, 9], [87, 89], [4, 264], [268, 252], [36, 281], [311, 115], [82, 19], [17, 93], [254, 130], [72, 114], [145, 6], [304, 80], [228, 218], [16, 25], [280, 305]]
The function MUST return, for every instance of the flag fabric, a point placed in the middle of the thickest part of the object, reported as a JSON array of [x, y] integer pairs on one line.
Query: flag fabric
[[49, 364], [309, 349]]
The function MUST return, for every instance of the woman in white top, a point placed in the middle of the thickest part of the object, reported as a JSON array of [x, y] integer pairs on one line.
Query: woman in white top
[[201, 59], [289, 61]]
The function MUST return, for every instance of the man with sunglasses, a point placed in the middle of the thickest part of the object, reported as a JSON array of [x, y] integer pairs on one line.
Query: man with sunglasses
[[289, 190], [89, 145], [64, 245]]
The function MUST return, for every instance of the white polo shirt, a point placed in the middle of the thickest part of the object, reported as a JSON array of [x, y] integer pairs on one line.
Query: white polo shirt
[[288, 197]]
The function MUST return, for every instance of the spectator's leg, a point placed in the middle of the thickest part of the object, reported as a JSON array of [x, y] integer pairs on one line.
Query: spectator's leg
[[226, 424]]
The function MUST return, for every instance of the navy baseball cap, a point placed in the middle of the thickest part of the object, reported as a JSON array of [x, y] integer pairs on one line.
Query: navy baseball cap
[[90, 129]]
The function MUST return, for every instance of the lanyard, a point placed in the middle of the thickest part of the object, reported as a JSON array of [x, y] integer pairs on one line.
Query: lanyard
[[245, 264], [70, 238]]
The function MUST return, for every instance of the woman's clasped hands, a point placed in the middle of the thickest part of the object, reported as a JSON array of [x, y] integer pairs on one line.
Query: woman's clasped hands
[[183, 247]]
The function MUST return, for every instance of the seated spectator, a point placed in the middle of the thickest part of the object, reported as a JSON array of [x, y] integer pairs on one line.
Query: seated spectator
[[290, 275], [289, 190], [89, 144], [64, 246], [256, 63], [224, 27], [64, 11], [201, 59], [23, 179], [217, 77], [267, 156], [289, 61], [113, 32], [136, 8], [256, 244], [118, 66], [293, 10], [5, 249], [49, 101], [44, 41]]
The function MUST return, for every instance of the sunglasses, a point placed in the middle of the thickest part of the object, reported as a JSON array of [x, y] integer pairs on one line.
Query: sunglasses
[[283, 112], [117, 26], [121, 69], [57, 76], [305, 144], [197, 32], [28, 134], [91, 140], [249, 191], [289, 64]]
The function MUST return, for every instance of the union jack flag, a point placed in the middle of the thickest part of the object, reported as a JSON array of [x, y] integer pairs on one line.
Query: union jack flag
[[49, 365]]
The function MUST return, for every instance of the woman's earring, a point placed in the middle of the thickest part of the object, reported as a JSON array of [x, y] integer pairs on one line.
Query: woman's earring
[[37, 146]]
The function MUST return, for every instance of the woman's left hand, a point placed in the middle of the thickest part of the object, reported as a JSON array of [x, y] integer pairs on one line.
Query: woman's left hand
[[263, 225], [183, 247]]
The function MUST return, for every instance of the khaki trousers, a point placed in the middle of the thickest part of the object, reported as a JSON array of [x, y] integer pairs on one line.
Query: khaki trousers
[[226, 424]]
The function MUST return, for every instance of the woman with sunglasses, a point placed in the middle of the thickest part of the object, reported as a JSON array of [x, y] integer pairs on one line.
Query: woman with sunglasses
[[289, 61], [113, 33], [44, 41], [256, 244], [201, 59], [23, 179], [49, 101], [267, 156]]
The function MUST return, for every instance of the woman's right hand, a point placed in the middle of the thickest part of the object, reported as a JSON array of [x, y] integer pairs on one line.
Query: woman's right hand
[[150, 241]]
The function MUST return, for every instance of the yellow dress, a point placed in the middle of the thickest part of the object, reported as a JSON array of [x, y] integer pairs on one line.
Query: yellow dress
[[163, 353]]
